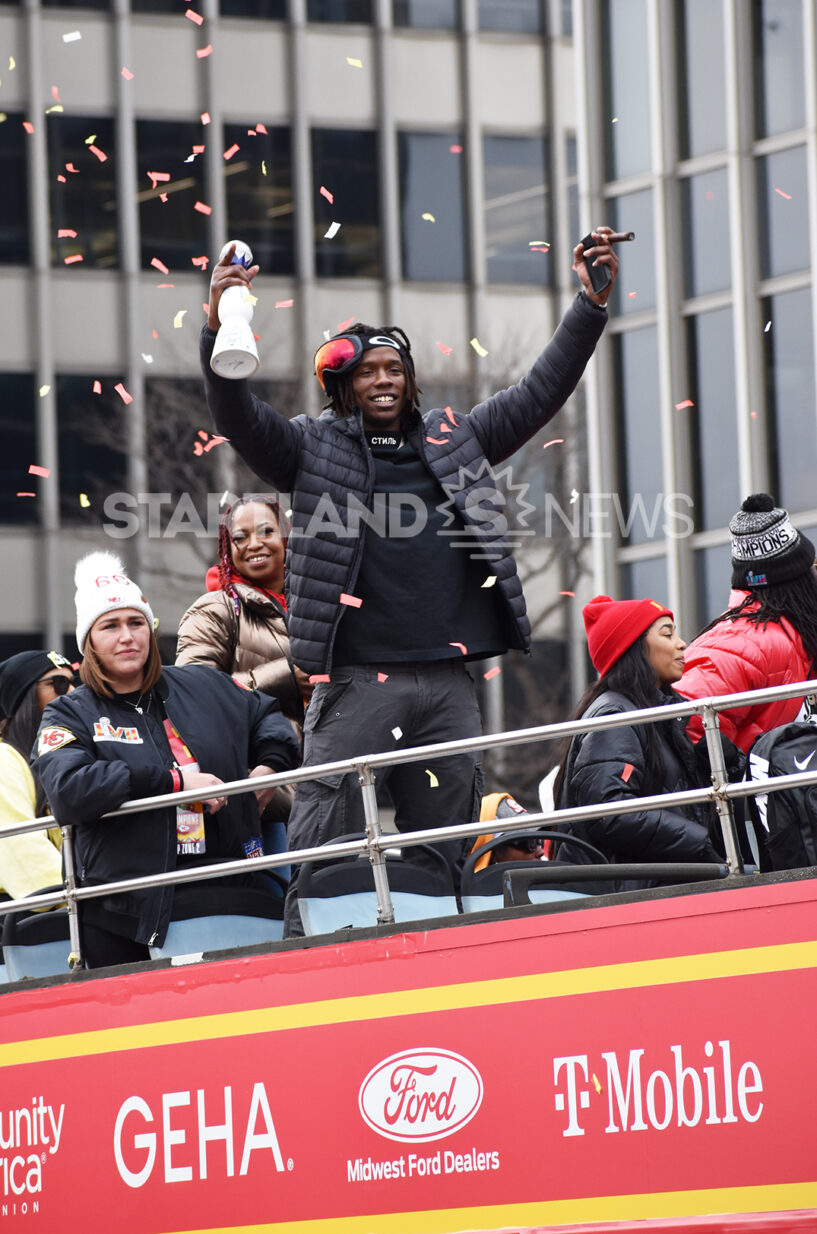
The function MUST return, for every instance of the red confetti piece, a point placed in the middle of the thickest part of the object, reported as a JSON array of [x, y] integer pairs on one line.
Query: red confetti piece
[[201, 262], [445, 350], [198, 448], [26, 494], [204, 51], [158, 177], [261, 128], [164, 286], [127, 74], [215, 441], [202, 434], [492, 672], [62, 179], [205, 117], [436, 441], [554, 441], [159, 265], [234, 149], [686, 403], [782, 194], [445, 428], [344, 325], [100, 154], [567, 593], [163, 197], [70, 167], [626, 771], [202, 209], [55, 93], [455, 149], [66, 232], [352, 601], [123, 394], [28, 126], [631, 295], [539, 248], [194, 17], [34, 470], [381, 677], [461, 646], [330, 197], [70, 261], [753, 414], [155, 335], [198, 149], [97, 387], [284, 303], [451, 415], [318, 677]]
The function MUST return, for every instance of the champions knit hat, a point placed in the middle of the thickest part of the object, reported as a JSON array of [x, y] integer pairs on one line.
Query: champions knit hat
[[766, 548], [614, 625], [103, 586], [21, 671]]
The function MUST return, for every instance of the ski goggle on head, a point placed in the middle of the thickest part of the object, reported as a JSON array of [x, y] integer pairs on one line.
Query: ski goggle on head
[[340, 355]]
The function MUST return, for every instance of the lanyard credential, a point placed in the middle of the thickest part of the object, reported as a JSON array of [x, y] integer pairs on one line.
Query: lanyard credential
[[189, 818]]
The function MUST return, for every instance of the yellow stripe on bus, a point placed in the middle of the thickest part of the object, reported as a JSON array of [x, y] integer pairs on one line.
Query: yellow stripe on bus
[[529, 988]]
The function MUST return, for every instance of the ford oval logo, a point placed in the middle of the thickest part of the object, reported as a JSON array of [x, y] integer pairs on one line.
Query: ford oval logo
[[420, 1095]]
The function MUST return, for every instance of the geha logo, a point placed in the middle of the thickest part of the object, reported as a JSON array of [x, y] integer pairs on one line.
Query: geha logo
[[418, 1095]]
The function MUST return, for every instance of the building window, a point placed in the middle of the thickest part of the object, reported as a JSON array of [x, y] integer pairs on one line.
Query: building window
[[266, 10], [634, 289], [339, 10], [182, 472], [427, 14], [783, 212], [345, 163], [790, 397], [713, 572], [92, 447], [432, 211], [572, 186], [523, 16], [14, 220], [640, 489], [19, 437], [517, 210], [171, 228], [260, 209], [154, 6], [713, 418], [707, 257], [82, 162], [779, 91], [701, 104], [626, 69], [645, 579], [76, 4]]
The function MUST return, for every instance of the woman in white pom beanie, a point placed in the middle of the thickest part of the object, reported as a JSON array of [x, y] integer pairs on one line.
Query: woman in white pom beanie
[[137, 729]]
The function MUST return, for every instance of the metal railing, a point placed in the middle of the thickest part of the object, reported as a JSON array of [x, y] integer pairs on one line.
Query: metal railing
[[720, 793]]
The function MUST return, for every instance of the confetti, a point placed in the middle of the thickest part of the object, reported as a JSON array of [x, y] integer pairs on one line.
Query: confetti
[[127, 74], [445, 428], [201, 262], [202, 209], [123, 394], [55, 93], [316, 678], [782, 194], [194, 17], [70, 261], [162, 286], [147, 358], [62, 180], [330, 197], [44, 390], [215, 441], [767, 327], [489, 582], [284, 303], [492, 672], [70, 167], [451, 415], [72, 37], [444, 349], [352, 601], [97, 387], [539, 244], [26, 494], [540, 248], [155, 335], [478, 348], [84, 501], [436, 441], [201, 52], [397, 733], [455, 149], [159, 265], [12, 63], [263, 167], [355, 64], [614, 120], [428, 217], [34, 470], [433, 782], [178, 320], [686, 403], [28, 126], [596, 1084], [381, 677], [234, 149], [344, 325], [554, 441], [567, 593], [261, 128], [753, 414], [461, 646], [205, 117], [631, 295], [158, 177], [100, 154], [574, 496], [334, 228], [66, 233], [55, 107]]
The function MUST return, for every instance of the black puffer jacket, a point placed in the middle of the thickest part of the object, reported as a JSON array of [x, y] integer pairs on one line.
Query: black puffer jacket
[[610, 765], [325, 465]]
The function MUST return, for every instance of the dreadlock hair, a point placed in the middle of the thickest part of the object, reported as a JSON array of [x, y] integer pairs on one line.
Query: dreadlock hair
[[20, 732], [795, 600], [225, 540], [633, 676], [343, 400]]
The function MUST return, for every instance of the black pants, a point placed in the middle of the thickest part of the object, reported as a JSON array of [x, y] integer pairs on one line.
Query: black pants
[[102, 948]]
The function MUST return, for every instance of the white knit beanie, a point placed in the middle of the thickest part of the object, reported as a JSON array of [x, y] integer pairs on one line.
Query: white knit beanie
[[102, 586]]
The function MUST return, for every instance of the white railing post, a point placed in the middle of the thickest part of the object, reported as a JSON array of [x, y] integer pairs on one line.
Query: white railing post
[[385, 907], [75, 958], [723, 805]]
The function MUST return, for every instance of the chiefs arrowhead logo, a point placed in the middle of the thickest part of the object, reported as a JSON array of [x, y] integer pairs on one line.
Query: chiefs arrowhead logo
[[52, 738]]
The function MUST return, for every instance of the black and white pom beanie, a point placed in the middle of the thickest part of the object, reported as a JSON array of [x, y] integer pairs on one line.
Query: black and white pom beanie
[[766, 549]]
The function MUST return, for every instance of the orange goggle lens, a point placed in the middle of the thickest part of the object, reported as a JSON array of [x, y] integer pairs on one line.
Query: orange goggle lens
[[337, 356]]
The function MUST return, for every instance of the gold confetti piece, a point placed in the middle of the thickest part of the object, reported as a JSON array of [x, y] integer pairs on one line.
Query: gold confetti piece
[[44, 390], [178, 320], [397, 733], [263, 167], [12, 64], [536, 244], [429, 218], [433, 782], [596, 1083], [89, 141], [355, 64], [83, 501], [489, 582], [3, 116], [334, 228], [478, 348], [250, 298], [54, 107]]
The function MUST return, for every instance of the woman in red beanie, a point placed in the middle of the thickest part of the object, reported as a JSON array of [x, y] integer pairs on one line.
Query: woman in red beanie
[[638, 655]]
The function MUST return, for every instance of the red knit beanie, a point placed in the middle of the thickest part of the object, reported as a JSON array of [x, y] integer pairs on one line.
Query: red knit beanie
[[614, 625]]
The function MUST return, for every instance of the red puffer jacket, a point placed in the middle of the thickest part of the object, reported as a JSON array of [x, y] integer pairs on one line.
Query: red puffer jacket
[[735, 656]]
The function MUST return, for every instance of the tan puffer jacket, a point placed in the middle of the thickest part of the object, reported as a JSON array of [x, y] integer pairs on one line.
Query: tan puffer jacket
[[253, 647]]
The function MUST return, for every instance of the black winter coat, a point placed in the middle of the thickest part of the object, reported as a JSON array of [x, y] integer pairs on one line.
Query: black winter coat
[[325, 464], [86, 773], [610, 765]]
